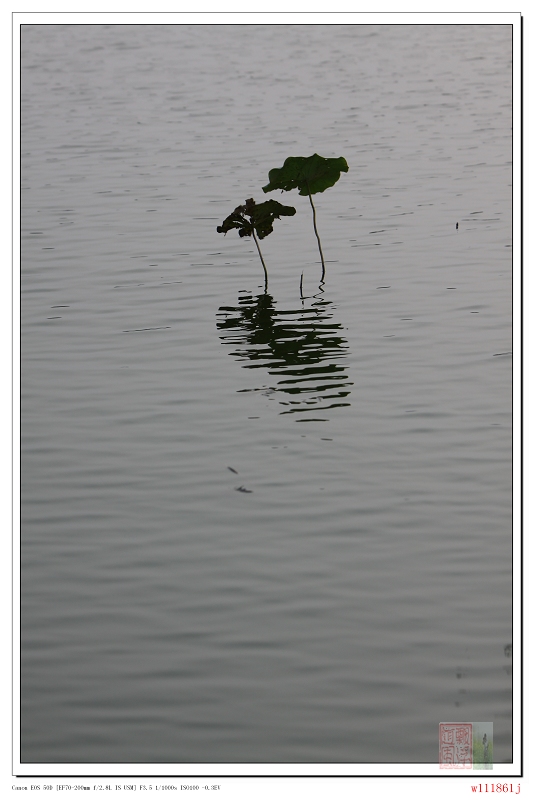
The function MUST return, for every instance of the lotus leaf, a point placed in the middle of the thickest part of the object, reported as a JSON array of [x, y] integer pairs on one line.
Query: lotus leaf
[[308, 175], [252, 218], [261, 218]]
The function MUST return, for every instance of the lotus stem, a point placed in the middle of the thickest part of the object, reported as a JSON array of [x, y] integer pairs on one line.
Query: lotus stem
[[317, 236], [262, 259]]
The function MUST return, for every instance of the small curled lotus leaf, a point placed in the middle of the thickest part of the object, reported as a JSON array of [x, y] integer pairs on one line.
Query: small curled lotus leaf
[[252, 218], [258, 217], [309, 175], [238, 221], [265, 214]]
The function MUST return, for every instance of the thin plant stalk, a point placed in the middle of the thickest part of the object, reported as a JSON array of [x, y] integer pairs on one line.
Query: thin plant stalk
[[262, 259], [318, 237]]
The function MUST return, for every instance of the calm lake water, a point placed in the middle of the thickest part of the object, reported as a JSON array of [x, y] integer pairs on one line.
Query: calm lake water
[[264, 527]]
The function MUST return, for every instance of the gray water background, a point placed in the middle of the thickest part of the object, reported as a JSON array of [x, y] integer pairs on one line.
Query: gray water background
[[346, 585]]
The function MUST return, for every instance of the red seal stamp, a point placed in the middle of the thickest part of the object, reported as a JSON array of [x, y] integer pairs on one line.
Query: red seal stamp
[[455, 745]]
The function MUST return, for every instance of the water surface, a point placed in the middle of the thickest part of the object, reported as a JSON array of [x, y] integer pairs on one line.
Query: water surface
[[264, 526]]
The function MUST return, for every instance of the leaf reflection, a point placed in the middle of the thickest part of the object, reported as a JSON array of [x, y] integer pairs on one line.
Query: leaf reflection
[[303, 348]]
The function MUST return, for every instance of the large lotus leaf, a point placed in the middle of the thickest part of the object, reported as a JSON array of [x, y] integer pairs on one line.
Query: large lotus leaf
[[308, 175], [261, 218]]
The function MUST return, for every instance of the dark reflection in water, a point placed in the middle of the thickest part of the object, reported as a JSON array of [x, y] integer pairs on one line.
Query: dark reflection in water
[[303, 348]]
